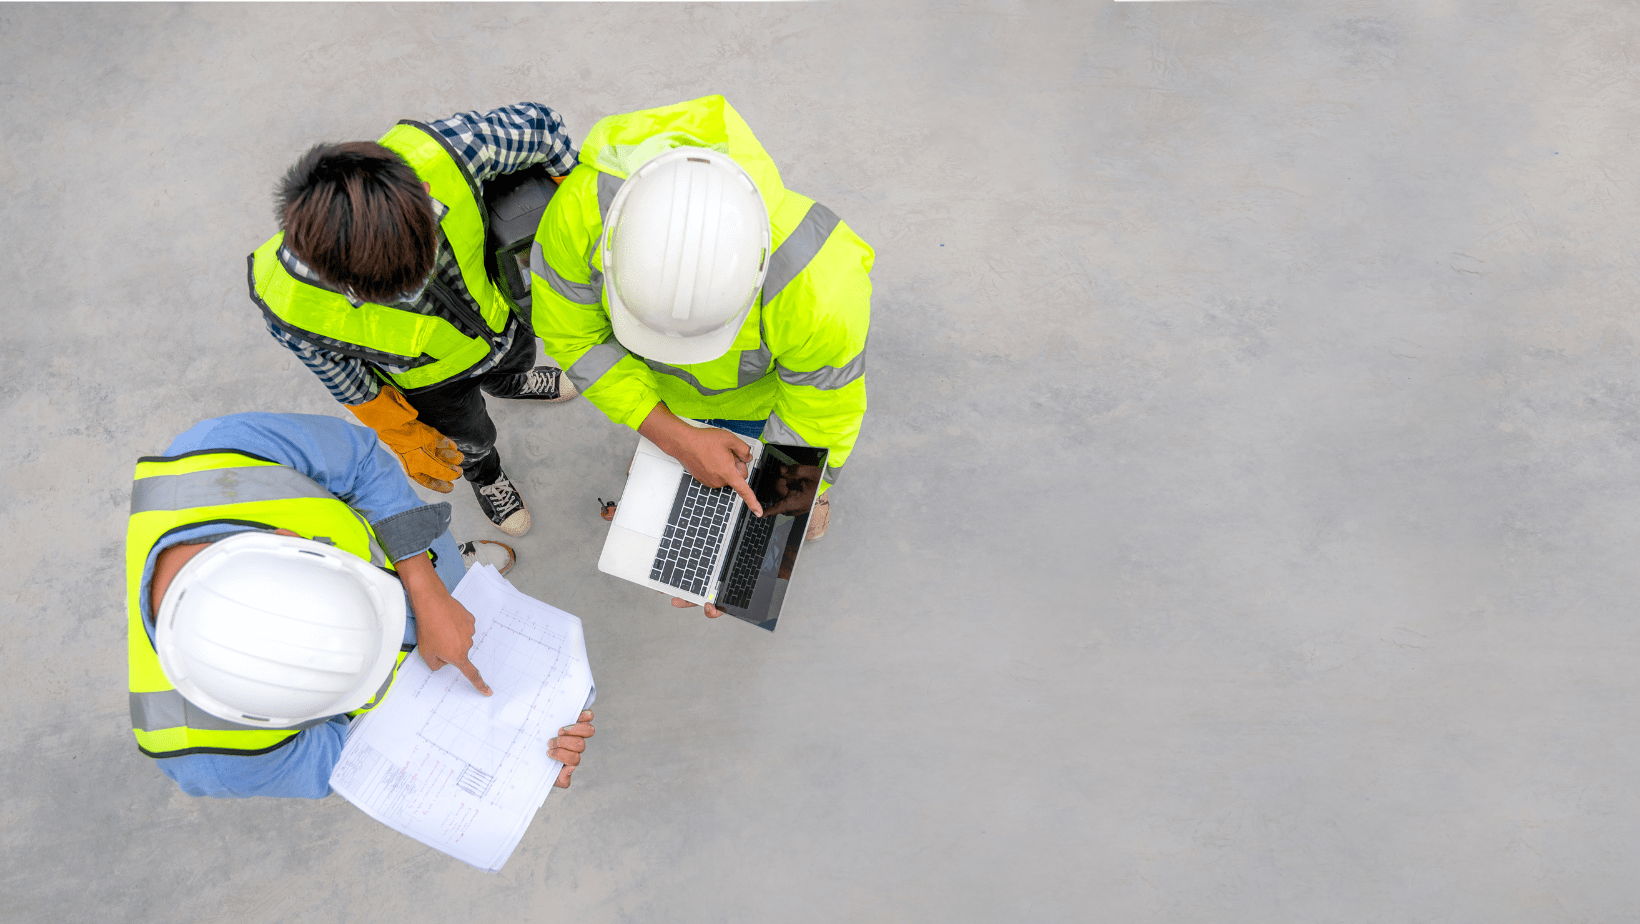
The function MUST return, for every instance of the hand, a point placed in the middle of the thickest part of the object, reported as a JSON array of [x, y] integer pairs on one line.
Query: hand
[[567, 747], [444, 628], [712, 612], [425, 464], [717, 458], [714, 457], [444, 635]]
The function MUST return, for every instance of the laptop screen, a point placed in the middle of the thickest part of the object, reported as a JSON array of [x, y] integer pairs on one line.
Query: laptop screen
[[764, 549], [783, 484]]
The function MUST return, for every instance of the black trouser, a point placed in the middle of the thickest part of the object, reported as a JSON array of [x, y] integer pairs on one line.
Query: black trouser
[[456, 408]]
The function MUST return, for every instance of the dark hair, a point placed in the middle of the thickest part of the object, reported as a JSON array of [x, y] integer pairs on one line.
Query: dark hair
[[359, 216]]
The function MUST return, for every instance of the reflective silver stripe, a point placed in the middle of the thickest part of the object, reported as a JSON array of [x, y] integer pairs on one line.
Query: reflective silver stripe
[[608, 186], [218, 486], [826, 378], [754, 364], [798, 249], [377, 556], [239, 485], [581, 293], [595, 362], [375, 701], [167, 709], [693, 382], [776, 430]]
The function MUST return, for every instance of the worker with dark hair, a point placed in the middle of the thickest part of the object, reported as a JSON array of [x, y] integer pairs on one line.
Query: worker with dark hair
[[382, 281]]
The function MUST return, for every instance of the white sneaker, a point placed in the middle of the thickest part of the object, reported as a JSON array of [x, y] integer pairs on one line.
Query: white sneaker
[[497, 555]]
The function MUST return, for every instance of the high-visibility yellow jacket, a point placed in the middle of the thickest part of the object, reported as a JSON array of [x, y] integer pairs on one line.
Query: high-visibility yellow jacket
[[435, 349], [220, 486], [798, 362]]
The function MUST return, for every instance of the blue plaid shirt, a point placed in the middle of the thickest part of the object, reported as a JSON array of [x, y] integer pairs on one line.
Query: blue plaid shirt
[[499, 141]]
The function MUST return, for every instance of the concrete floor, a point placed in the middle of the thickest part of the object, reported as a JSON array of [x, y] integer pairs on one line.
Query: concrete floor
[[1244, 530]]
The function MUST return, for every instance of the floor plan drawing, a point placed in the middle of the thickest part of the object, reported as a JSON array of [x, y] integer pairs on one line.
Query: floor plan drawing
[[460, 771]]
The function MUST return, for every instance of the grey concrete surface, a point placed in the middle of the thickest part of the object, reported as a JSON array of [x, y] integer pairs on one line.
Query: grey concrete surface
[[1244, 529]]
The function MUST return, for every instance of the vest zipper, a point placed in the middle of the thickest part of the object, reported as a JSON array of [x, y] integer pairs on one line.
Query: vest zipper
[[453, 306]]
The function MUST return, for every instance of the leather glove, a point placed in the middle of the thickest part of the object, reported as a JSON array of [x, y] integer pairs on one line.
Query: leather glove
[[428, 456]]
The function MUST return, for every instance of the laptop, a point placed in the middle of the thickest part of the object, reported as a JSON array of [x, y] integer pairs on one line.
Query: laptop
[[678, 536]]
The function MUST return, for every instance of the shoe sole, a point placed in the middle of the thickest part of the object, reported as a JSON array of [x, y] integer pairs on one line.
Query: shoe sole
[[516, 525], [470, 548], [558, 400]]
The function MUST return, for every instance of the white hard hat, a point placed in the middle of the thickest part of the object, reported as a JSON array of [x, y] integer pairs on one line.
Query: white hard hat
[[686, 247], [269, 630]]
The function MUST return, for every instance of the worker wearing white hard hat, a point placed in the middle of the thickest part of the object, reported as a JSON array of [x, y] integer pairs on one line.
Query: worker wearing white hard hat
[[674, 275], [265, 612], [277, 630]]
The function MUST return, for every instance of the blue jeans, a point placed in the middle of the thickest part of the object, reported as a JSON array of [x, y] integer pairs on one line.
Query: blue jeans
[[751, 429], [456, 409]]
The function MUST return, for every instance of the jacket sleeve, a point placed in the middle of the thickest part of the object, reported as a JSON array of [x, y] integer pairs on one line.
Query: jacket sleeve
[[817, 327], [567, 311]]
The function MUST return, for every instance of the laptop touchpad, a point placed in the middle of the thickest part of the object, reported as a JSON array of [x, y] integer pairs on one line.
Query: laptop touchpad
[[650, 490]]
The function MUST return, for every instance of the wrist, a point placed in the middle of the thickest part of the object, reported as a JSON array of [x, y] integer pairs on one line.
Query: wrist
[[665, 430], [417, 575]]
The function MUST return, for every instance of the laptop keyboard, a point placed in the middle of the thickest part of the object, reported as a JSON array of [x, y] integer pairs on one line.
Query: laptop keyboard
[[754, 539], [693, 532]]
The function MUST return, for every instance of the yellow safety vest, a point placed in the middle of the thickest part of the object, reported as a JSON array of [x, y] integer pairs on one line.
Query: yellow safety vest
[[232, 488], [435, 349]]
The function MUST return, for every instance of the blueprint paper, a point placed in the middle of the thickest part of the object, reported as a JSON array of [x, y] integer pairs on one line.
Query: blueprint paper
[[459, 771]]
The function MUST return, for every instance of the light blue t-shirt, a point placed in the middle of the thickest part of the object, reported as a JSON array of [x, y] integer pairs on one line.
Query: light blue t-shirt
[[347, 461]]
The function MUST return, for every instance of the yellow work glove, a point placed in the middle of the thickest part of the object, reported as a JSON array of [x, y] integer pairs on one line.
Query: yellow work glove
[[428, 456]]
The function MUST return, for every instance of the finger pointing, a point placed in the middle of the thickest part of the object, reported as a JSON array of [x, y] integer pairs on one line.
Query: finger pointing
[[745, 492], [477, 681]]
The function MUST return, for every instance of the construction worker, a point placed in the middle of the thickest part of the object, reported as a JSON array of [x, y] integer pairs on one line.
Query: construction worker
[[674, 275], [382, 281], [279, 569]]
